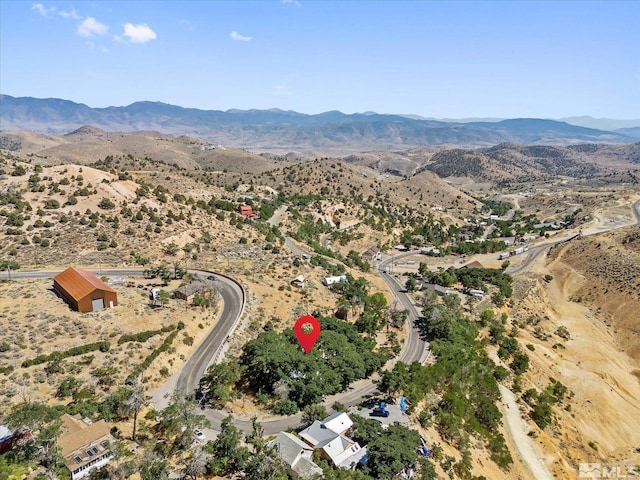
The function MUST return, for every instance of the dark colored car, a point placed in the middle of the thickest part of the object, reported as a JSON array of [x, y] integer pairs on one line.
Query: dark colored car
[[379, 412], [212, 277]]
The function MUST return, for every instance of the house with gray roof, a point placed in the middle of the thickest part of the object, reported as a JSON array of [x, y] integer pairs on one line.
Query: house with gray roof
[[297, 455]]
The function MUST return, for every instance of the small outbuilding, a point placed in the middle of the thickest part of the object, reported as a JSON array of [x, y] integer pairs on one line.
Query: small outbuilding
[[83, 291], [372, 254], [188, 292], [439, 289], [299, 281]]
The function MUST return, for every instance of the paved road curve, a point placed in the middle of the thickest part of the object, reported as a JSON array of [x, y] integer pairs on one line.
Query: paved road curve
[[233, 299]]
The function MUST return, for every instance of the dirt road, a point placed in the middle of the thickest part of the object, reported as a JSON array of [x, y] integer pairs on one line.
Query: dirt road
[[522, 443]]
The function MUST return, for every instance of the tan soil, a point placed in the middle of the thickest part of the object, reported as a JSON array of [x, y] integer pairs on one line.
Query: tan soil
[[33, 320], [598, 363]]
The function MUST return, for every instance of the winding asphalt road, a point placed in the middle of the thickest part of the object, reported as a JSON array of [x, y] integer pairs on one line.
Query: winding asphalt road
[[414, 349]]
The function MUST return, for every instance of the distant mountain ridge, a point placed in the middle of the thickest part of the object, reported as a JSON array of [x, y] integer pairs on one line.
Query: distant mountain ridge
[[276, 129]]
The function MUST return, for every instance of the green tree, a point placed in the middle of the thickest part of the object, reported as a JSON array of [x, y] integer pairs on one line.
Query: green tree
[[312, 413], [398, 317], [392, 452], [43, 423], [228, 456], [68, 387], [264, 463], [154, 467], [196, 464], [135, 401], [520, 363], [106, 204], [180, 418], [218, 382], [411, 284], [164, 297], [393, 381]]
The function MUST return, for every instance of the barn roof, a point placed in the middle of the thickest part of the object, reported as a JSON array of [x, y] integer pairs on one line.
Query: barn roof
[[79, 283]]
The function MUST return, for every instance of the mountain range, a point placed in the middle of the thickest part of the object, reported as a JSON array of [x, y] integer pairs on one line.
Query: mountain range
[[283, 131]]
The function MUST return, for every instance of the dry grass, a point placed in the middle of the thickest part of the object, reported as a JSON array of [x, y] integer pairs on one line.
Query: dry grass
[[33, 321]]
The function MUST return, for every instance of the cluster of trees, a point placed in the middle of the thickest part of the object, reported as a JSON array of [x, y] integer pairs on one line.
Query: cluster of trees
[[472, 248], [9, 265], [164, 346], [472, 278], [142, 337], [165, 273], [496, 207], [541, 403], [273, 365], [461, 388]]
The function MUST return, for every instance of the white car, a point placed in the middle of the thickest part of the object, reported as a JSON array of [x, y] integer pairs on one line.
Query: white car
[[199, 436]]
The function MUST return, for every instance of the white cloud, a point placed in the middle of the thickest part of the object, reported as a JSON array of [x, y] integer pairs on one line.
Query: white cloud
[[42, 10], [71, 14], [91, 27], [241, 38], [292, 2], [141, 33]]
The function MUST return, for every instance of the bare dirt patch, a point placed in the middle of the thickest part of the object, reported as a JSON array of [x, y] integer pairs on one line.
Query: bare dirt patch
[[599, 421]]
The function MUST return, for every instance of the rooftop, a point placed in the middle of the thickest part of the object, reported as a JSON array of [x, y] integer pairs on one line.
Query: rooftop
[[80, 283]]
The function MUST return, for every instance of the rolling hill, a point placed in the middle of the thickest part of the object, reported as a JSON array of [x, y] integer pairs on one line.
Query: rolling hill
[[87, 145], [526, 162]]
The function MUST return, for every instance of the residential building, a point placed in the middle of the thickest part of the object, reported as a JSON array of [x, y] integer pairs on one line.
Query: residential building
[[328, 437], [339, 422], [474, 264], [372, 254], [299, 281], [84, 445], [297, 455], [247, 212]]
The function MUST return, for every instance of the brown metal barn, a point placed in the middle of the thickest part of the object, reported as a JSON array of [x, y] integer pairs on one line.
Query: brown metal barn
[[84, 291]]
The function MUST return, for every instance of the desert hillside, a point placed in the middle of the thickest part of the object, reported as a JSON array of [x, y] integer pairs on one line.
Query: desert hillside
[[577, 314], [88, 145], [610, 266]]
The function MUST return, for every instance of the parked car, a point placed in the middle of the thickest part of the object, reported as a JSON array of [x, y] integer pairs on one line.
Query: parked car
[[199, 436], [379, 412]]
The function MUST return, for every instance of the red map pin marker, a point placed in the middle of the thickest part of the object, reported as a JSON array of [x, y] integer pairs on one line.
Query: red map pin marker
[[307, 338]]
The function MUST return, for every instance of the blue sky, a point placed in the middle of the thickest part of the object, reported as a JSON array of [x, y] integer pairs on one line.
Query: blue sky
[[450, 59]]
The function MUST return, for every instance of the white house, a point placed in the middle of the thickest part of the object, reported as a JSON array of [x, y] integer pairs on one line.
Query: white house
[[339, 422], [340, 450]]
